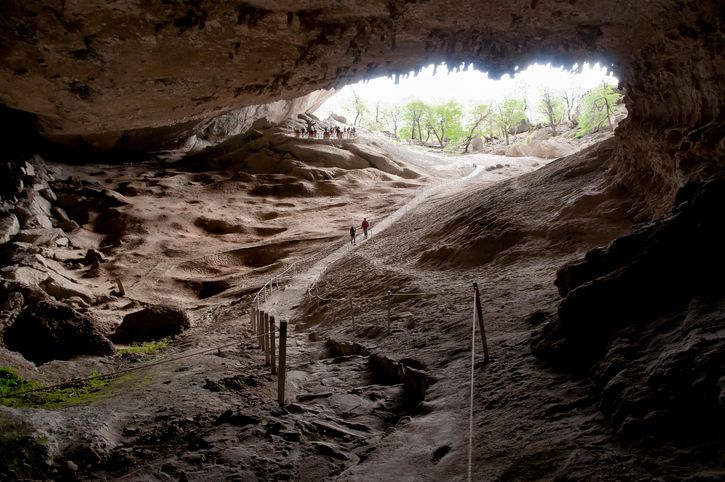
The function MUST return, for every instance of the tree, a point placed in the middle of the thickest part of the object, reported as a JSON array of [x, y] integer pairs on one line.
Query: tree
[[413, 113], [508, 114], [444, 121], [552, 108], [572, 97], [393, 115], [597, 108], [359, 107], [478, 116]]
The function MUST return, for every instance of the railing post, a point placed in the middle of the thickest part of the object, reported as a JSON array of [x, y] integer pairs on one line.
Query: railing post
[[260, 317], [271, 330], [479, 314], [265, 337], [282, 372]]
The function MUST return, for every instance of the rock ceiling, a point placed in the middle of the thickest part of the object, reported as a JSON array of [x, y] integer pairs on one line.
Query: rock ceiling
[[96, 67]]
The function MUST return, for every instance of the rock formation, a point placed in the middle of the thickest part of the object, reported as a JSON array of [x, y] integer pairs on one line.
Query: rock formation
[[101, 71], [151, 323]]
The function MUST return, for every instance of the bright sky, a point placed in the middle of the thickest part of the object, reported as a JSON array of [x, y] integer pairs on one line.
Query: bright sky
[[469, 86]]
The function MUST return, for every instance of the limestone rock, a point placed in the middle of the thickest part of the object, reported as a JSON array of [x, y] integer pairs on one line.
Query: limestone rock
[[61, 287], [46, 331], [10, 307], [37, 211], [9, 227], [152, 323], [25, 274], [40, 237]]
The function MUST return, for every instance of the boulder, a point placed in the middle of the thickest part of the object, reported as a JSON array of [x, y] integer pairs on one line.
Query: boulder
[[61, 287], [339, 118], [476, 144], [36, 211], [9, 227], [24, 274], [152, 323], [41, 236], [46, 331]]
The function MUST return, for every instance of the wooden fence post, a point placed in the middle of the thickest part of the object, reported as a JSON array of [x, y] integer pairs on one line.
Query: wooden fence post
[[272, 362], [260, 317], [479, 314], [265, 337], [281, 373]]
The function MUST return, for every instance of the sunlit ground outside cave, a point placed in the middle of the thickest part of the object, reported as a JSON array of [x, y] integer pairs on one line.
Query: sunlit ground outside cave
[[398, 242]]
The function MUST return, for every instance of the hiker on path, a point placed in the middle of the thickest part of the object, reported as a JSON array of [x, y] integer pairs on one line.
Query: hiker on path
[[365, 226], [352, 235]]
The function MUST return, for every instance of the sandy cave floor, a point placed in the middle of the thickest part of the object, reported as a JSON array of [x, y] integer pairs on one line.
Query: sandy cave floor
[[215, 416]]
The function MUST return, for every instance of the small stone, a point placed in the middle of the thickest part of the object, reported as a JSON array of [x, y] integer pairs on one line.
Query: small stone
[[72, 466]]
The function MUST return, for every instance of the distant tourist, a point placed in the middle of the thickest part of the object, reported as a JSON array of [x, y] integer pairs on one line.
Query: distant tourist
[[365, 226], [352, 235]]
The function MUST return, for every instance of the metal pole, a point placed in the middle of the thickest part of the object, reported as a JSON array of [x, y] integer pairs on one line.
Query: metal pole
[[477, 299], [282, 361], [272, 362]]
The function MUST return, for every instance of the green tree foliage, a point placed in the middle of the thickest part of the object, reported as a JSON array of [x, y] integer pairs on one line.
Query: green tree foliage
[[359, 108], [598, 109], [553, 109], [444, 122], [392, 117], [413, 113], [477, 125], [508, 114]]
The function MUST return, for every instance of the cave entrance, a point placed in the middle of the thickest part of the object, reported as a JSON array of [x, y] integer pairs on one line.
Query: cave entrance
[[540, 111]]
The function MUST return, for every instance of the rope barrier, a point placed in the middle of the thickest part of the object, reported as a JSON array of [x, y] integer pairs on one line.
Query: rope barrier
[[470, 415]]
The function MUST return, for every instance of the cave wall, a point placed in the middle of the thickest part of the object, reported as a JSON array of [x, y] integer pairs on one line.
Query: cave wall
[[97, 68]]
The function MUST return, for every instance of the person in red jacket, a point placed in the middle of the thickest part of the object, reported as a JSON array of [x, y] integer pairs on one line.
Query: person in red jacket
[[365, 226]]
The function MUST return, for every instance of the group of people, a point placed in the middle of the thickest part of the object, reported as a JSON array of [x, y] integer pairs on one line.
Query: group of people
[[365, 225], [327, 133]]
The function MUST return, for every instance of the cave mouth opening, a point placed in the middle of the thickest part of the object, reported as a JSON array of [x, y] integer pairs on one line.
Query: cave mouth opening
[[449, 107]]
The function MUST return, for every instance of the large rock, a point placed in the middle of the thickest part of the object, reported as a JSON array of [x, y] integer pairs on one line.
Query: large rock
[[152, 323], [9, 227], [41, 236], [25, 274], [644, 317], [61, 288], [47, 331]]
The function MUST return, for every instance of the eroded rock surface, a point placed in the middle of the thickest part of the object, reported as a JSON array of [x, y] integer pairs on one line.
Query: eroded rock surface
[[47, 331], [106, 73], [152, 323]]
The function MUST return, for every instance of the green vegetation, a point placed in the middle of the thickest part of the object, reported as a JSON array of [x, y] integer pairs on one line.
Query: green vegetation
[[450, 125], [80, 393], [145, 348], [508, 115], [553, 110], [597, 109]]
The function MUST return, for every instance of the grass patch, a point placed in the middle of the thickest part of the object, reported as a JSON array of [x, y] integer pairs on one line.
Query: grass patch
[[79, 393], [145, 348]]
